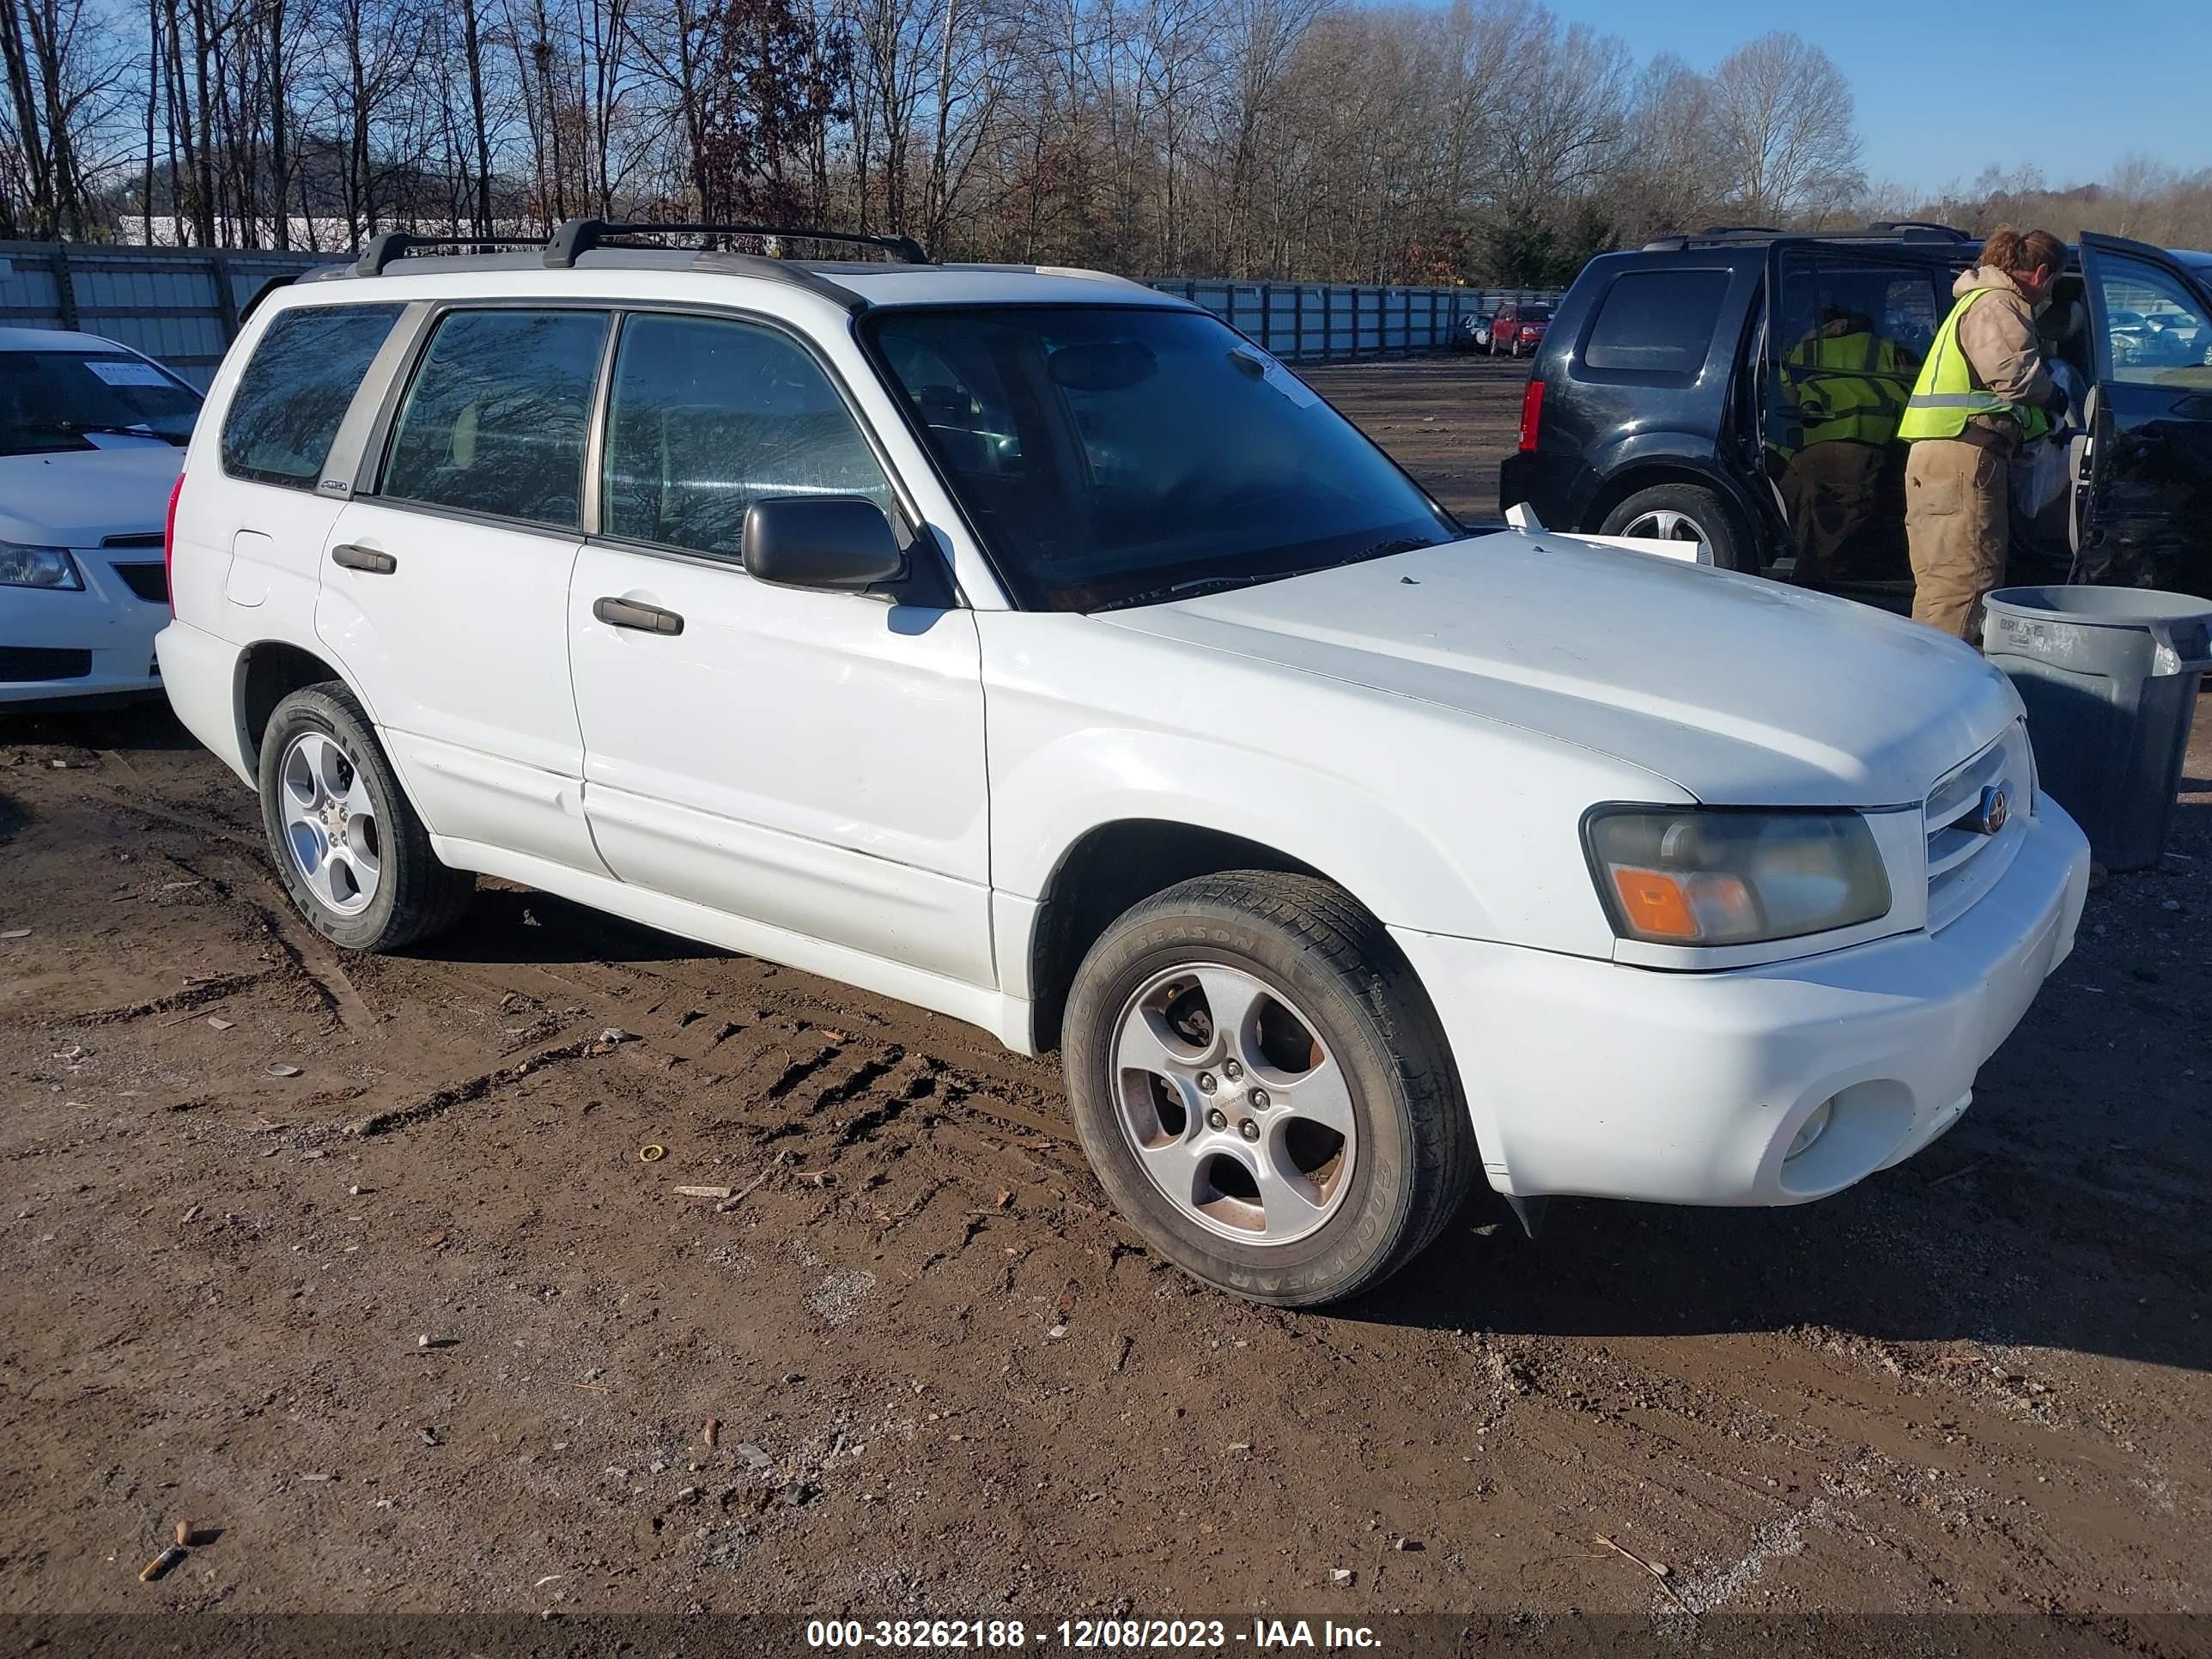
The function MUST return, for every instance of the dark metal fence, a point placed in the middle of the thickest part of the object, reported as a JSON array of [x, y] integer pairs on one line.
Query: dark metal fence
[[178, 305], [181, 305], [1321, 322]]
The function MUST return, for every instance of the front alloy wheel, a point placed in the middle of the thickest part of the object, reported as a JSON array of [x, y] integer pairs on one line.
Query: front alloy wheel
[[1235, 1108], [1263, 1090]]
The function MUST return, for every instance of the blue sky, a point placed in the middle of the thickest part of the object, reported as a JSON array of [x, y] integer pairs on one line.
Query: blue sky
[[2091, 82]]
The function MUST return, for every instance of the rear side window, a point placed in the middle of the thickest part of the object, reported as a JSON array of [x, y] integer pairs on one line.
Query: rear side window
[[494, 420], [1657, 322], [297, 388], [1830, 294], [709, 417]]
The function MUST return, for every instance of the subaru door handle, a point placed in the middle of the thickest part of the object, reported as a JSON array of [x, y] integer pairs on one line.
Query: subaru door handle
[[354, 556], [628, 613]]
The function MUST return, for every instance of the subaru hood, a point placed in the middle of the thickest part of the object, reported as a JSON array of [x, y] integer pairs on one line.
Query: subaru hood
[[76, 498], [1741, 691]]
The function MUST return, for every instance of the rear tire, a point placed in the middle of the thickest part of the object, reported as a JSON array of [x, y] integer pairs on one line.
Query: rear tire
[[1344, 1146], [348, 845], [1676, 512]]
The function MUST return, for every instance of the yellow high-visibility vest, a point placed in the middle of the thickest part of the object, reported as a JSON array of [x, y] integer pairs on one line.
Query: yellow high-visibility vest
[[1840, 386], [1945, 396]]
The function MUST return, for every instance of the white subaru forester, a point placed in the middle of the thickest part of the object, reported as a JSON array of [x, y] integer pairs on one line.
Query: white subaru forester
[[1027, 644]]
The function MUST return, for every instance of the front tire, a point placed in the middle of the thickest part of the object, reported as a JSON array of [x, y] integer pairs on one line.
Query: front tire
[[348, 845], [1262, 1088]]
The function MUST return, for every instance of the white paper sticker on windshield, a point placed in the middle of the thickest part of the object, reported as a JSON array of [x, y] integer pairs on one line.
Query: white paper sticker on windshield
[[1274, 374], [124, 372]]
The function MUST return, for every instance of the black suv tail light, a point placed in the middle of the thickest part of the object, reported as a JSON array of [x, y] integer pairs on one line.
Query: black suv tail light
[[1532, 414]]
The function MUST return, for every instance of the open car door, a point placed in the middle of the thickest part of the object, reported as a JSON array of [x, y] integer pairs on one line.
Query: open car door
[[1847, 328], [2143, 506]]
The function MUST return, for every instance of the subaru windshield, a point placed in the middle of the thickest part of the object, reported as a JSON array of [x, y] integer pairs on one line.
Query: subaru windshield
[[1128, 455], [56, 401]]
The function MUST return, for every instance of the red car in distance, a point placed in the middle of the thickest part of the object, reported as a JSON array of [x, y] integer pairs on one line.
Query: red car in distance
[[1519, 328]]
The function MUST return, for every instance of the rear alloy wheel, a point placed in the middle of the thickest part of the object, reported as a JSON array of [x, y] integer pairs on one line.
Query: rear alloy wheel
[[1681, 512], [347, 843], [330, 823], [1262, 1088]]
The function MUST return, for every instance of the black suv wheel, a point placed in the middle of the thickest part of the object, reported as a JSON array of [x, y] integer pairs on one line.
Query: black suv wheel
[[1685, 513]]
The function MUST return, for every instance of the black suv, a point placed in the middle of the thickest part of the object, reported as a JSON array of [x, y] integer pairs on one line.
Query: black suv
[[1743, 387]]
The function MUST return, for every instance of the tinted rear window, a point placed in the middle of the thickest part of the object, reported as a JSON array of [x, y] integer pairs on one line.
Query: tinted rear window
[[1657, 321], [286, 411], [494, 422]]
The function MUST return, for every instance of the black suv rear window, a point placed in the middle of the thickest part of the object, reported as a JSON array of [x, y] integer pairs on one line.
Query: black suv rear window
[[285, 413], [1657, 321]]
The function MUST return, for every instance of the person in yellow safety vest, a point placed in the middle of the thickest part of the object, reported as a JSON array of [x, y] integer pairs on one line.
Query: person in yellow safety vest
[[1847, 381], [1984, 390]]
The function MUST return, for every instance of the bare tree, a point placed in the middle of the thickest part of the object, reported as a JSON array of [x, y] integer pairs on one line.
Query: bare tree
[[62, 74], [1671, 181], [1482, 140], [1783, 118]]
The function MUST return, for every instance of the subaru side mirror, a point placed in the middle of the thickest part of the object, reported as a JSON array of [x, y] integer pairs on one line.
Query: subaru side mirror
[[841, 543]]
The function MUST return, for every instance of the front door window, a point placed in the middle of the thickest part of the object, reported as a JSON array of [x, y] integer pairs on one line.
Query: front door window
[[2155, 330]]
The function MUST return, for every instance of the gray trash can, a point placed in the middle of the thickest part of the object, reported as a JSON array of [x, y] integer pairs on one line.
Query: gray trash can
[[2109, 676]]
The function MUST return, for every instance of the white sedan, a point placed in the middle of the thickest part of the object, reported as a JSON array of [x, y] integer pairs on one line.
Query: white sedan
[[91, 436]]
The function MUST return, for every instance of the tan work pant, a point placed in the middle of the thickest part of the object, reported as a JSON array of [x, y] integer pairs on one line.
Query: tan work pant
[[1829, 491], [1955, 515]]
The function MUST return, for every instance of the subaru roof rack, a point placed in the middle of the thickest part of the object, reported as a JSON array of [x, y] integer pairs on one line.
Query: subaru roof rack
[[387, 246], [577, 237]]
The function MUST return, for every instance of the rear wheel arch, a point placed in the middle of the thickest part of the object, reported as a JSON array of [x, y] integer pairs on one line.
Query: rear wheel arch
[[1637, 476], [268, 672]]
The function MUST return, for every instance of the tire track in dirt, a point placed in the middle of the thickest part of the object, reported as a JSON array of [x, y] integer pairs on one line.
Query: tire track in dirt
[[1988, 1394]]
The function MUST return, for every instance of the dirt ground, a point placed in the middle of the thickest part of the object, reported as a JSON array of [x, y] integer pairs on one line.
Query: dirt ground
[[1449, 420], [357, 1265]]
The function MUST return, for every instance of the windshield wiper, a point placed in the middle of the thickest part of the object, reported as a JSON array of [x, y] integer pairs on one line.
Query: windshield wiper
[[1384, 550], [1198, 585]]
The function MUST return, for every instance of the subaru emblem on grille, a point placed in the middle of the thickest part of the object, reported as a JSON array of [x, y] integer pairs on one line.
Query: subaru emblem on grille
[[1990, 817]]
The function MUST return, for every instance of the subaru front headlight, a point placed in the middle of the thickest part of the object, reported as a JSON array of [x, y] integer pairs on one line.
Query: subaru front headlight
[[38, 567], [1701, 876]]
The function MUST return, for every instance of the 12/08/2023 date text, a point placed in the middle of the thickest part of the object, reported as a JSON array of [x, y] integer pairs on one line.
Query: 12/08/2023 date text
[[1089, 1635]]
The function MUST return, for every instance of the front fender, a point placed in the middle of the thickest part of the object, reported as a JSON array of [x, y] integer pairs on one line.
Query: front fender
[[1076, 782], [1432, 818]]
